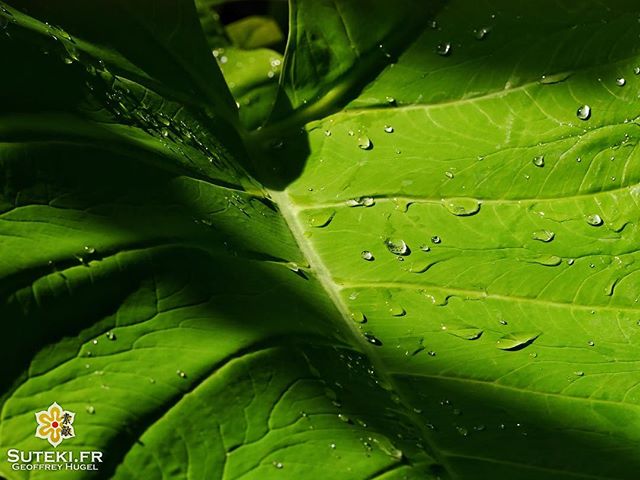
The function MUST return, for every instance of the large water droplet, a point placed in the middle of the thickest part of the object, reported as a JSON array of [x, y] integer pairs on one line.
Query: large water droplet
[[543, 235], [594, 220], [462, 206], [584, 112], [397, 246], [621, 82], [516, 340], [462, 330], [365, 143], [538, 161]]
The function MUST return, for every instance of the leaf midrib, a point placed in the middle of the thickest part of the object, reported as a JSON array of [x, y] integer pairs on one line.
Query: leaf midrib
[[290, 212]]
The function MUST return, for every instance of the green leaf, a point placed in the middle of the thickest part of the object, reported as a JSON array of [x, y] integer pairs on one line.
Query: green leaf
[[254, 32], [428, 270]]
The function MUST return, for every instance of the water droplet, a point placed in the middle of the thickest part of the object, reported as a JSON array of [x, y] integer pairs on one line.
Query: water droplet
[[516, 340], [332, 446], [372, 339], [584, 112], [462, 330], [554, 78], [344, 418], [436, 239], [388, 128], [425, 248], [361, 202], [431, 353], [397, 311], [444, 49], [591, 343], [621, 82], [449, 174], [181, 374], [278, 465], [543, 235], [111, 336], [594, 219], [365, 143], [367, 255], [397, 246], [482, 33], [327, 133], [579, 373], [95, 342], [636, 70], [462, 206], [358, 317], [503, 322], [90, 409], [462, 431], [390, 100], [538, 161]]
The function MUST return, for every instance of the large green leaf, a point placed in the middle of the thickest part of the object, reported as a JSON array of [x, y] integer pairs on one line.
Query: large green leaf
[[429, 273]]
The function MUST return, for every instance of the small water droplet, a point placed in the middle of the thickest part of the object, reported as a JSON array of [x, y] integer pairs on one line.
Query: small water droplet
[[425, 248], [361, 202], [543, 235], [462, 431], [579, 373], [436, 239], [332, 446], [503, 322], [388, 128], [538, 161], [111, 336], [594, 219], [482, 33], [516, 340], [390, 100], [444, 49], [90, 409], [449, 174], [431, 353], [181, 374], [95, 342], [367, 255], [327, 133], [621, 82], [584, 112], [344, 418], [462, 207], [358, 317], [278, 465], [591, 343], [397, 311], [372, 339], [397, 246], [365, 143], [636, 70]]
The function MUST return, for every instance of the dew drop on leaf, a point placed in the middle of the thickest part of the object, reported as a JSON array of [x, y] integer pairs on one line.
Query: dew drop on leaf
[[482, 33], [372, 339], [358, 317], [111, 336], [584, 112], [425, 248], [621, 82], [388, 128], [90, 409], [594, 220], [365, 143], [436, 239], [462, 330], [579, 373], [181, 374], [538, 161], [636, 70], [591, 343], [367, 255], [462, 207], [516, 340], [444, 49], [361, 202], [543, 235], [397, 246], [344, 418], [449, 174], [278, 465]]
